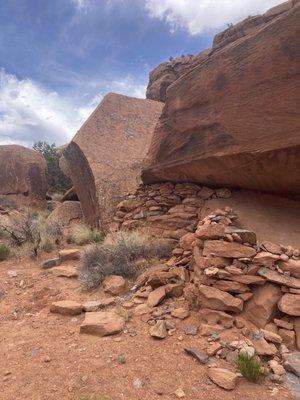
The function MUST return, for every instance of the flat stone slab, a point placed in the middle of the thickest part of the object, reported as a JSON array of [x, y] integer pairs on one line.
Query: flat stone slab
[[201, 356], [278, 278], [69, 254], [95, 305], [66, 307], [292, 363], [102, 323], [66, 271]]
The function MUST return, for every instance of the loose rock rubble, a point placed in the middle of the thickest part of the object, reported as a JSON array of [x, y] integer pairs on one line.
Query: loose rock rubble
[[236, 285]]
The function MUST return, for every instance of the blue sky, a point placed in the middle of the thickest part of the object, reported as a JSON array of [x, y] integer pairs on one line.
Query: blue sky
[[59, 57]]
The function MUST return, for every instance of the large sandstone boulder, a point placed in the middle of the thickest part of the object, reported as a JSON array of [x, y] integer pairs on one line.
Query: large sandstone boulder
[[221, 125], [22, 173], [66, 213], [104, 158]]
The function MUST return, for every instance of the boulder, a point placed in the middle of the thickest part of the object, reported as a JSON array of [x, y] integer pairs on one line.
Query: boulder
[[292, 363], [69, 254], [23, 174], [66, 307], [102, 323], [291, 266], [156, 297], [104, 158], [217, 300], [211, 129], [159, 330], [221, 248], [66, 271], [262, 307], [223, 378], [66, 213], [290, 304], [114, 284]]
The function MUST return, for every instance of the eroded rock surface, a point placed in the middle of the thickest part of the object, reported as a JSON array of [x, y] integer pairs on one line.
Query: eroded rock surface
[[104, 158]]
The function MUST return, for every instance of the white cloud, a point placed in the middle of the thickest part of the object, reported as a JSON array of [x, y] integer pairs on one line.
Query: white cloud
[[29, 112], [81, 5], [197, 16]]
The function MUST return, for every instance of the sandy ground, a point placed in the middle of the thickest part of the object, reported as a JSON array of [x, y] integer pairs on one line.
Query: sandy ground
[[43, 355]]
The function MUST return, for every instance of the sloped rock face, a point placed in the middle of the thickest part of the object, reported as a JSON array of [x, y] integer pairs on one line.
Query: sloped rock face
[[22, 173], [104, 158], [168, 72], [221, 126]]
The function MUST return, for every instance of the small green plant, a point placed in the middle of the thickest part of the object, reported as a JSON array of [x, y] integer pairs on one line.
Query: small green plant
[[250, 367], [47, 244], [4, 252]]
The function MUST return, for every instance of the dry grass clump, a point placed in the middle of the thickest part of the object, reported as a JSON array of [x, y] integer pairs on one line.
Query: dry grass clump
[[250, 367], [4, 252], [82, 234], [118, 257], [28, 232]]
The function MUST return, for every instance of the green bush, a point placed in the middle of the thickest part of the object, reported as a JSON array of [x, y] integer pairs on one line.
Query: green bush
[[4, 252], [119, 256], [250, 367], [57, 181]]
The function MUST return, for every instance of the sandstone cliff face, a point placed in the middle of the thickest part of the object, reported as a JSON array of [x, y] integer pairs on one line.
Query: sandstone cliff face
[[168, 72], [22, 172], [104, 158], [233, 120]]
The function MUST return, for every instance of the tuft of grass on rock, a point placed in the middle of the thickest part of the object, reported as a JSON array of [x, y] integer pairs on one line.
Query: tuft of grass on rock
[[4, 252], [250, 367], [118, 257]]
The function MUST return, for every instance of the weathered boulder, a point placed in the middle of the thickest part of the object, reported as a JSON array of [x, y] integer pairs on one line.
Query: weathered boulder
[[114, 284], [262, 307], [290, 304], [66, 213], [22, 172], [66, 307], [211, 129], [221, 248], [218, 300], [104, 158], [223, 378], [102, 323]]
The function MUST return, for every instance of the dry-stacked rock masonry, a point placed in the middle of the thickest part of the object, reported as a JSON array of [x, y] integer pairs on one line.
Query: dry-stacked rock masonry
[[168, 210], [246, 291]]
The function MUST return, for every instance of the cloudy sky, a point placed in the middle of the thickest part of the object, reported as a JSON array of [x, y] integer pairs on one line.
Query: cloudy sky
[[59, 57]]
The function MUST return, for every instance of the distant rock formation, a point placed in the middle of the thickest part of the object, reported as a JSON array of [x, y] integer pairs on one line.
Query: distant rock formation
[[22, 174], [104, 158], [233, 120], [168, 72]]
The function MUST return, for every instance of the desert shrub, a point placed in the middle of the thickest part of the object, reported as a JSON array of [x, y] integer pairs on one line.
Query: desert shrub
[[57, 181], [29, 231], [82, 234], [4, 252], [118, 257], [250, 367]]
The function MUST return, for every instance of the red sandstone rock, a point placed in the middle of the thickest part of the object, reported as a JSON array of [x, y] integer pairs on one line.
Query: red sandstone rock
[[22, 173], [290, 304], [211, 129], [114, 284], [66, 213], [104, 158], [102, 323], [218, 300], [220, 248], [262, 307]]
